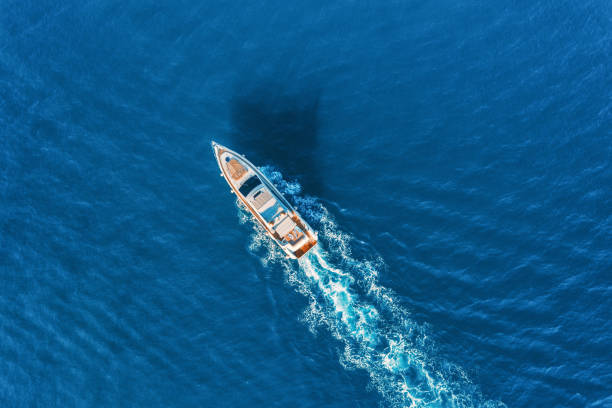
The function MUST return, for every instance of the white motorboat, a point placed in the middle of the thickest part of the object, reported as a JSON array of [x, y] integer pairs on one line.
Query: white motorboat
[[280, 220]]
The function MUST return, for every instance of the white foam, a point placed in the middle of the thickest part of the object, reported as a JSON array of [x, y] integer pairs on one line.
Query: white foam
[[375, 329]]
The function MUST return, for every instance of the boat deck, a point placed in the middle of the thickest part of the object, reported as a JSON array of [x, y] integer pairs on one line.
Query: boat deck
[[236, 169], [268, 206]]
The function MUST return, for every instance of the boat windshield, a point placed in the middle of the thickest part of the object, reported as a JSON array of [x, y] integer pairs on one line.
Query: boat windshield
[[249, 185]]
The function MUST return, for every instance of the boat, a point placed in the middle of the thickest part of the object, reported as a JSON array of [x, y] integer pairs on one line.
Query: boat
[[267, 205]]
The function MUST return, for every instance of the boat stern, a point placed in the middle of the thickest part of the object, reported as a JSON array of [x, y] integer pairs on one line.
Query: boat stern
[[305, 248]]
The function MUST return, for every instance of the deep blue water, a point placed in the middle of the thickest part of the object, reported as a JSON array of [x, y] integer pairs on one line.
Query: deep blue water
[[454, 157]]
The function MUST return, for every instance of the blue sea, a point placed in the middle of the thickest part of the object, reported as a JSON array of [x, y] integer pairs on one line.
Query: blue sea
[[454, 157]]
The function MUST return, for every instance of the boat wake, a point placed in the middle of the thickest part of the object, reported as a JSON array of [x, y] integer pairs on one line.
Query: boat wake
[[377, 333]]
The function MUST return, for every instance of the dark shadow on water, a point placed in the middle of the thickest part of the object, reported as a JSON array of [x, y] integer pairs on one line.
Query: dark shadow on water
[[274, 126]]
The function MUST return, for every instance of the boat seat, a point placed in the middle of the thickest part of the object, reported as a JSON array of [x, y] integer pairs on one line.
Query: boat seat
[[294, 235], [236, 169], [261, 198], [285, 226]]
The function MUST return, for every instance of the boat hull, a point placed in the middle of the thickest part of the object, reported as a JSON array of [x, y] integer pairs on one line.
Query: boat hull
[[267, 205]]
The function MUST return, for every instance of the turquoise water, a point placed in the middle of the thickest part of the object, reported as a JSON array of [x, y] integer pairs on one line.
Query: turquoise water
[[454, 158]]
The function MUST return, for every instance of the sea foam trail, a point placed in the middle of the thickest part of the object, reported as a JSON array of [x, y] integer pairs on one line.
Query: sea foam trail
[[376, 331]]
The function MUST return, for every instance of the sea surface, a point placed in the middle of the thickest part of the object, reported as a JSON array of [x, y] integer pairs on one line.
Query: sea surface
[[454, 156]]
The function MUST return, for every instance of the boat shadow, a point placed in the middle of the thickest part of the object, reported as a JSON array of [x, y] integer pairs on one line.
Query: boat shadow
[[273, 126]]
